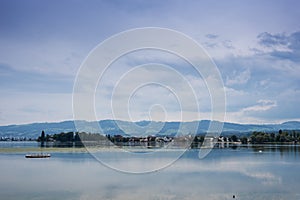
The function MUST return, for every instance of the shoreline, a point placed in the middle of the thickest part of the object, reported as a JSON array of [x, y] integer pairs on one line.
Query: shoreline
[[124, 148]]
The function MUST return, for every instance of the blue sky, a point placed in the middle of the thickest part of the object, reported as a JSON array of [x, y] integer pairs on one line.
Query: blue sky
[[255, 44]]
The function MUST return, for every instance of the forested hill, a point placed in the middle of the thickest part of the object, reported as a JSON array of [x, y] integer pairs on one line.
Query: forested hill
[[112, 127]]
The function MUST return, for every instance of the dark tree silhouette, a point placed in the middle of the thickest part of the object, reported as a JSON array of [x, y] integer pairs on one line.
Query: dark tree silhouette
[[42, 138], [234, 138], [244, 140]]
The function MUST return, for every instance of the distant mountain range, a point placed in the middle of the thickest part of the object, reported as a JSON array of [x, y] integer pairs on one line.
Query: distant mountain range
[[138, 128]]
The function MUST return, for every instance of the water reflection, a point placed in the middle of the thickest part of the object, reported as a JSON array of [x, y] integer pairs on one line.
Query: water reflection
[[240, 171]]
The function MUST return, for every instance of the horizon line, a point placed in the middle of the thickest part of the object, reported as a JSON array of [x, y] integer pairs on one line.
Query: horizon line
[[199, 120]]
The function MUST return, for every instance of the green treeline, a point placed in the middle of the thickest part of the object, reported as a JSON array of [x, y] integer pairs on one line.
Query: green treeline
[[70, 137], [77, 139], [280, 137], [259, 137]]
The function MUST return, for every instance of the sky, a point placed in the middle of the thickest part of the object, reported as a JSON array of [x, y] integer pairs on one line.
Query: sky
[[254, 44]]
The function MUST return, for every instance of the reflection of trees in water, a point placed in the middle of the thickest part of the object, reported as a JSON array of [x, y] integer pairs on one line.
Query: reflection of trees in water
[[282, 149], [258, 148], [233, 146], [289, 149]]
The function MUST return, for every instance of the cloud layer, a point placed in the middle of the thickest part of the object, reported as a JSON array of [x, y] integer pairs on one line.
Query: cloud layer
[[42, 45]]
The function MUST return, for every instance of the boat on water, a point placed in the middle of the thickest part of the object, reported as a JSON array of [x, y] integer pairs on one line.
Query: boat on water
[[38, 155]]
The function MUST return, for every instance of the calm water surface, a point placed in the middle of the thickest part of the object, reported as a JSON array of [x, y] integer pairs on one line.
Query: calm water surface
[[262, 172]]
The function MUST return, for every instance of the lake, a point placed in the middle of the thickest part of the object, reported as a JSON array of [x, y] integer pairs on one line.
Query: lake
[[248, 172]]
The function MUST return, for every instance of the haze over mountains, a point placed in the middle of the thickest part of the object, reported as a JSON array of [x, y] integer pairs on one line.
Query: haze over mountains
[[141, 128]]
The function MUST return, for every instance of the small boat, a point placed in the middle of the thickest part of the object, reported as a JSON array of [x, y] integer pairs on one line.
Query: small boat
[[38, 155]]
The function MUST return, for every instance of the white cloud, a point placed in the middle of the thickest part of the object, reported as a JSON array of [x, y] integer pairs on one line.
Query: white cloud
[[258, 113], [238, 78], [262, 105]]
